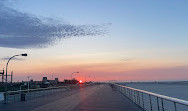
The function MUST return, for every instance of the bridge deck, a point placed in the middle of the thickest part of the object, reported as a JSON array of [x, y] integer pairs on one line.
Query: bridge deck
[[94, 98]]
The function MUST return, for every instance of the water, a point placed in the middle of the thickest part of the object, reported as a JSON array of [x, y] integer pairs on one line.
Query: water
[[172, 89], [175, 90]]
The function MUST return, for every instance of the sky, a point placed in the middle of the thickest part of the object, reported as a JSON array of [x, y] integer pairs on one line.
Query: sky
[[124, 40]]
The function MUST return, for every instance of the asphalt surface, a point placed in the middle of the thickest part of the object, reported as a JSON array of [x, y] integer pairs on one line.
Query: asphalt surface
[[93, 98]]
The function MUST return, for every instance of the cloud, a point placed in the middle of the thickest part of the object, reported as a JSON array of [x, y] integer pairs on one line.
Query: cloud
[[24, 30], [125, 60]]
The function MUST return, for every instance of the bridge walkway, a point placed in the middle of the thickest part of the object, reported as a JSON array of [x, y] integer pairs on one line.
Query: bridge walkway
[[93, 98]]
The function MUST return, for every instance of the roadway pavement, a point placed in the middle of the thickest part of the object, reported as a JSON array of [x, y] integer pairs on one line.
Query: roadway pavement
[[93, 98]]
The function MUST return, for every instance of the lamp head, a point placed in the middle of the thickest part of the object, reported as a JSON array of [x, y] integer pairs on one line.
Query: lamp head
[[24, 54]]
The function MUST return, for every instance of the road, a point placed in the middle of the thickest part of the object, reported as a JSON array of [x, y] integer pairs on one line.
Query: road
[[93, 98]]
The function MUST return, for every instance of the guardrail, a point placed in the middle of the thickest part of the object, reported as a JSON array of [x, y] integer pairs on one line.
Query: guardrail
[[151, 101], [22, 95]]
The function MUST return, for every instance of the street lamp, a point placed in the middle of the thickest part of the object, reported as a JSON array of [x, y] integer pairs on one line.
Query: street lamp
[[28, 81], [73, 73], [7, 75], [10, 59], [88, 77]]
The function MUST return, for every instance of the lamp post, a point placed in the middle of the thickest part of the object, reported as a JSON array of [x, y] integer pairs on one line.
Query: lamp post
[[71, 76], [28, 82], [9, 61], [73, 73], [7, 75], [88, 77]]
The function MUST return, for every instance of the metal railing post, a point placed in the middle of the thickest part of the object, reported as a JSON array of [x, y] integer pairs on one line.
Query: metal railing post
[[175, 106], [150, 102], [122, 90], [134, 96], [138, 98], [162, 104], [143, 100], [158, 104], [126, 91]]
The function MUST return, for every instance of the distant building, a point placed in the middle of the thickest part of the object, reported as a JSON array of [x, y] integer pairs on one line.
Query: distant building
[[73, 81], [44, 79], [56, 79], [52, 82]]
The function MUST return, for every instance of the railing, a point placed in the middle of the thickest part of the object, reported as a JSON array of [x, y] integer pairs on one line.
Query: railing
[[13, 96], [151, 101]]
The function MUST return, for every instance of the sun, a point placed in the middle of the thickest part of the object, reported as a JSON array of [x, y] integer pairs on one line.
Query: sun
[[80, 81]]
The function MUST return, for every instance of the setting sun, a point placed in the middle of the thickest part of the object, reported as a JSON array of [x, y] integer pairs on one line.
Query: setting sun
[[80, 81]]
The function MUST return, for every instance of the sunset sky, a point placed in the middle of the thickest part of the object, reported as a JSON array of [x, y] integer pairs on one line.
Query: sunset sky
[[125, 40]]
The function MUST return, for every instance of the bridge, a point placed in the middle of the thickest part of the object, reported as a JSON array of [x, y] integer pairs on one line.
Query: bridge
[[101, 97]]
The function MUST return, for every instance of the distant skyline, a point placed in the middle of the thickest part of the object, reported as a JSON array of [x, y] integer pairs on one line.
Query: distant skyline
[[108, 39]]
